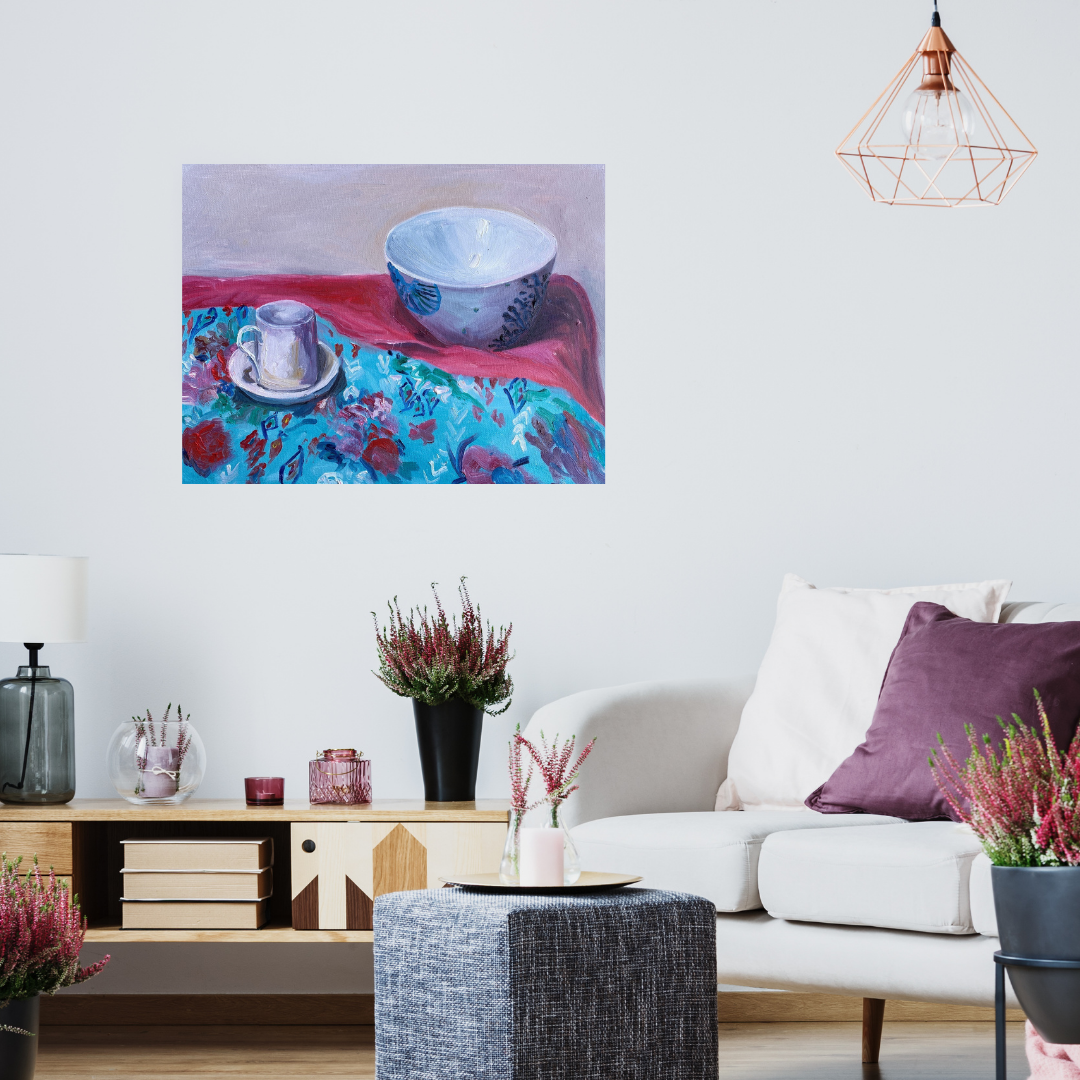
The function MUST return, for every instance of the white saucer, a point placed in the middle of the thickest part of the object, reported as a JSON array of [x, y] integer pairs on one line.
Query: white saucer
[[242, 376]]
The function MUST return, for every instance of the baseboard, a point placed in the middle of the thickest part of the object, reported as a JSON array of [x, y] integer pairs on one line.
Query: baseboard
[[748, 1007], [126, 1010]]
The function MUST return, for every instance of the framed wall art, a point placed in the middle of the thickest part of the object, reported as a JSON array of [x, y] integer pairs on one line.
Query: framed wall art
[[401, 324]]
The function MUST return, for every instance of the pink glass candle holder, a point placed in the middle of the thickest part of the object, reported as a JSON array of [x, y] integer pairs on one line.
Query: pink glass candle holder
[[264, 790], [339, 776]]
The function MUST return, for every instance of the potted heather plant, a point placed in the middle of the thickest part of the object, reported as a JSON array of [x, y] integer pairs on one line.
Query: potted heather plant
[[454, 674], [41, 934], [1021, 800]]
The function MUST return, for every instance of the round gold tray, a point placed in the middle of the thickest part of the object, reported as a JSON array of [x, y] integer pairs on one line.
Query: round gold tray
[[589, 882]]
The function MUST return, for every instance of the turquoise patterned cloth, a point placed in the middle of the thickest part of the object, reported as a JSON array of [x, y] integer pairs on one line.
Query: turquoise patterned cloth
[[386, 419]]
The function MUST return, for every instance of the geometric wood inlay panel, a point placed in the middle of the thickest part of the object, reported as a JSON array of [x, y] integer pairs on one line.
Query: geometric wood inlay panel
[[358, 907], [400, 862], [305, 907]]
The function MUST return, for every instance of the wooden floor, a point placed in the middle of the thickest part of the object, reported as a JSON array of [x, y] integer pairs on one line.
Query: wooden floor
[[207, 1053], [909, 1051], [777, 1051]]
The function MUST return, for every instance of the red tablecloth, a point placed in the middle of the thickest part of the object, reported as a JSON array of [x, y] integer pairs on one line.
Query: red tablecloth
[[562, 350]]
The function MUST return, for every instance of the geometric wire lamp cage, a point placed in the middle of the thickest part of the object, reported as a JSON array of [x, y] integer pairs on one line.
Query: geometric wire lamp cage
[[936, 136]]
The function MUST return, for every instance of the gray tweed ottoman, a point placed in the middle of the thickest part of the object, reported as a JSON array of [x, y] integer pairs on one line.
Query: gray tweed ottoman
[[493, 986]]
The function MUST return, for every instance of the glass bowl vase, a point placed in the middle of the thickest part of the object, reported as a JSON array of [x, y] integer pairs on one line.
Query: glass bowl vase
[[155, 761]]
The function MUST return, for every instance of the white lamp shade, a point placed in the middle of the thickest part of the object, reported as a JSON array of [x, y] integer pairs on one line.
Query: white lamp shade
[[43, 598]]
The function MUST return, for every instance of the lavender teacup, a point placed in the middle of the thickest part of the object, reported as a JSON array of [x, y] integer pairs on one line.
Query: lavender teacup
[[287, 354]]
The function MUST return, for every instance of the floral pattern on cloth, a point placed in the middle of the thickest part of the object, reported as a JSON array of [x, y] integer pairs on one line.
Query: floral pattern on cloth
[[386, 419]]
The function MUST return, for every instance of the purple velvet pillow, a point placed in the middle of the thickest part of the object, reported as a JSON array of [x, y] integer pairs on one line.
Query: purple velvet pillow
[[946, 672]]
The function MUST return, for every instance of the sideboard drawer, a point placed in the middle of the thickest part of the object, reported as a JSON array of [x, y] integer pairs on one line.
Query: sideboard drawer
[[334, 884], [49, 840]]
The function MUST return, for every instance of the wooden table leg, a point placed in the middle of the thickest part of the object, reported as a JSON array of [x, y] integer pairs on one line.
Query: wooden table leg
[[873, 1014]]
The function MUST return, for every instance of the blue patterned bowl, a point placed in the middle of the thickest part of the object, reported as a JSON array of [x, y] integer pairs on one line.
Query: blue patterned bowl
[[472, 277]]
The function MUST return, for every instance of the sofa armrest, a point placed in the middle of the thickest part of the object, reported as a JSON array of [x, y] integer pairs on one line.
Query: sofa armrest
[[661, 747]]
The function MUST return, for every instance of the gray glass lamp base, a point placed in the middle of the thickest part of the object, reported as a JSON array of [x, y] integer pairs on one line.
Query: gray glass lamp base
[[37, 737]]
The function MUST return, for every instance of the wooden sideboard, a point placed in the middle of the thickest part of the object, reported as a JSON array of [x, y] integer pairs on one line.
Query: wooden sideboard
[[359, 853]]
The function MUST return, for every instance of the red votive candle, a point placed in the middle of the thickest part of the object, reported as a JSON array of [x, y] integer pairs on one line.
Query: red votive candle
[[264, 790]]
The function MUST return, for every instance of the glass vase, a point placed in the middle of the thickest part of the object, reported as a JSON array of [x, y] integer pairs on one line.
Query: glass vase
[[339, 776], [510, 867], [37, 738], [571, 862], [155, 761]]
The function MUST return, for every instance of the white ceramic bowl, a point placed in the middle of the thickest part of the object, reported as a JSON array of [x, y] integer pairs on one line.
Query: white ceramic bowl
[[472, 277]]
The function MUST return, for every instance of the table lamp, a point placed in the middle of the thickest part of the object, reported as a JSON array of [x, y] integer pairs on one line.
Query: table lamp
[[42, 599]]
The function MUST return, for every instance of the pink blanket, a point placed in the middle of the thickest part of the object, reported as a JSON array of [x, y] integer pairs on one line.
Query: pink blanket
[[561, 350], [1050, 1061]]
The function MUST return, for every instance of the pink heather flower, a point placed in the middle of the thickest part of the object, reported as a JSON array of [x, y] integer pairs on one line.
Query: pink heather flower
[[556, 769], [1020, 799], [519, 786], [435, 659], [40, 934], [148, 735]]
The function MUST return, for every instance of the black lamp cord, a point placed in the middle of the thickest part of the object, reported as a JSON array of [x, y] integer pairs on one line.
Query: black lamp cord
[[30, 718], [936, 19]]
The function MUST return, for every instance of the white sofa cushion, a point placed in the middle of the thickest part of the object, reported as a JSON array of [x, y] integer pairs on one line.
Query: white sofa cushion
[[1036, 611], [705, 853], [819, 681], [981, 888], [908, 876], [859, 961]]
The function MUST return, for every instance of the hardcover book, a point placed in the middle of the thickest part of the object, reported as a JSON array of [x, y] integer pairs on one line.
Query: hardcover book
[[191, 853], [197, 884], [194, 914]]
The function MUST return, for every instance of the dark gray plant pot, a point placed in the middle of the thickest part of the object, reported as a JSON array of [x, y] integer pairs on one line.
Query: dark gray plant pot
[[18, 1053], [1038, 916], [448, 736]]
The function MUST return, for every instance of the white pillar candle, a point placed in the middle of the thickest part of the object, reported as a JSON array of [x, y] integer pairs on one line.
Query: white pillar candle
[[541, 857]]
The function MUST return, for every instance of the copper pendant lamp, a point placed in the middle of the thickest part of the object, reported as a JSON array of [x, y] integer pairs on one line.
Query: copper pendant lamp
[[941, 141]]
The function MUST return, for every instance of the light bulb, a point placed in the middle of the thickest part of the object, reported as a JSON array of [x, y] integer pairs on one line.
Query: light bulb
[[937, 121]]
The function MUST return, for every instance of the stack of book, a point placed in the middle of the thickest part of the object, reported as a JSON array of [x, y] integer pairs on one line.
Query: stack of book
[[193, 884]]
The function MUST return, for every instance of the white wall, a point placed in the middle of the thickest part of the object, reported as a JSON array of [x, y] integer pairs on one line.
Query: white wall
[[797, 379]]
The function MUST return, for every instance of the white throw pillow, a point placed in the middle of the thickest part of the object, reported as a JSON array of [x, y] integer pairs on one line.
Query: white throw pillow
[[819, 682]]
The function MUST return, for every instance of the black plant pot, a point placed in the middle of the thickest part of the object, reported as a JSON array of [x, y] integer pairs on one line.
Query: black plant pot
[[449, 739], [18, 1053], [1038, 915]]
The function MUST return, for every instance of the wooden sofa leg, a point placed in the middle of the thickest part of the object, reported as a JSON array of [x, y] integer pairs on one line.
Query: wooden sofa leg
[[873, 1014]]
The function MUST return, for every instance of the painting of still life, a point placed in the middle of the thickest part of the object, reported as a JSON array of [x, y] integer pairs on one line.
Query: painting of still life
[[393, 324]]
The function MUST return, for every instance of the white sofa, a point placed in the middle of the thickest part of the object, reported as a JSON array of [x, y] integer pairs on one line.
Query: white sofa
[[873, 907]]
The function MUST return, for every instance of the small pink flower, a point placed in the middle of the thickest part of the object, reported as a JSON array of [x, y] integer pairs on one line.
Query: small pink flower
[[378, 404], [425, 432], [483, 466], [519, 785], [555, 767]]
